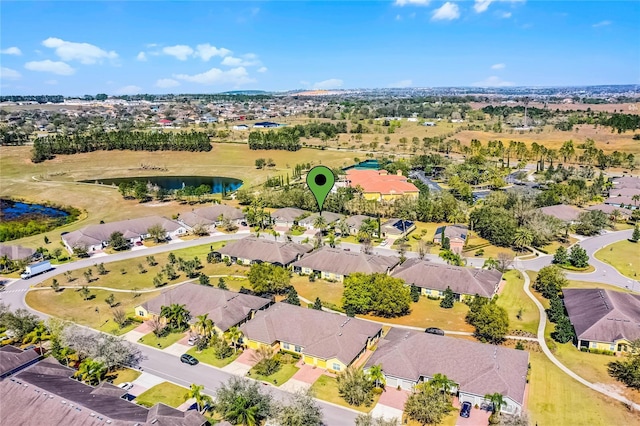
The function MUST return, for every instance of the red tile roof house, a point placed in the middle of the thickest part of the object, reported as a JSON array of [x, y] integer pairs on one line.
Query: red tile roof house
[[410, 357], [380, 185]]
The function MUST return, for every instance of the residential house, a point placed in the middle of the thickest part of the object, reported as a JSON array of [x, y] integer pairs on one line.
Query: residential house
[[96, 237], [287, 216], [626, 182], [16, 252], [46, 393], [603, 319], [329, 218], [14, 359], [411, 357], [379, 185], [608, 209], [457, 235], [627, 202], [326, 340], [335, 264], [355, 222], [265, 124], [258, 250], [434, 278], [212, 216], [226, 308], [564, 212], [396, 228]]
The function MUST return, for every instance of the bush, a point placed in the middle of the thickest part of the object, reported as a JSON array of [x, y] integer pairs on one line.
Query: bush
[[268, 366]]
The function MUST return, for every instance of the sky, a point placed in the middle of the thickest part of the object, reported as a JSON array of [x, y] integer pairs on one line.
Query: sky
[[78, 48]]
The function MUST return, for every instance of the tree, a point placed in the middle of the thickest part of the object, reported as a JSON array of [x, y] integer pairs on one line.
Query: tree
[[177, 316], [268, 278], [415, 293], [563, 331], [369, 420], [172, 258], [20, 323], [523, 238], [377, 376], [88, 274], [117, 241], [151, 260], [204, 279], [101, 269], [355, 387], [85, 292], [158, 280], [240, 401], [561, 257], [490, 264], [260, 163], [635, 237], [442, 383], [449, 299], [592, 222], [157, 232], [202, 400], [110, 300], [379, 294], [91, 372], [627, 370], [504, 261], [266, 361], [550, 281], [317, 305], [578, 257], [427, 405], [446, 243], [55, 285], [234, 334], [497, 402], [120, 317], [37, 335], [204, 325], [222, 285], [292, 297], [508, 420], [303, 410], [490, 320]]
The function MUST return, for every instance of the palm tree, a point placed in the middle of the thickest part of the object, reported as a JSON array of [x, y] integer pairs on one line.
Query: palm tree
[[343, 227], [490, 263], [38, 335], [320, 223], [91, 371], [177, 316], [497, 401], [523, 238], [377, 376], [242, 412], [204, 325], [234, 335], [442, 383], [202, 400], [635, 199]]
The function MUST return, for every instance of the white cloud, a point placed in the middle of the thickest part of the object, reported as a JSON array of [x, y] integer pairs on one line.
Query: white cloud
[[332, 83], [167, 82], [482, 5], [85, 53], [236, 76], [55, 67], [401, 83], [11, 51], [141, 56], [9, 74], [180, 51], [248, 60], [206, 51], [51, 82], [498, 66], [398, 18], [262, 69], [505, 15], [447, 12], [412, 2], [492, 81], [602, 24], [128, 90]]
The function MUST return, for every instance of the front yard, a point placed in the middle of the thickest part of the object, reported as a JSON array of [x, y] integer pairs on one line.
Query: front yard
[[160, 342], [285, 372], [167, 393], [125, 375], [326, 388], [207, 356]]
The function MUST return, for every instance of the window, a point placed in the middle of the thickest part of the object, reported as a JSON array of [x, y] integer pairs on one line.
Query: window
[[285, 346], [612, 347], [141, 313], [298, 348], [335, 366], [594, 344]]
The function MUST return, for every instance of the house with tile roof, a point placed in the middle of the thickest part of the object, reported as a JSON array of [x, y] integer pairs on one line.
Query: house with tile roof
[[379, 185], [434, 278], [261, 250], [603, 319], [410, 357], [335, 264], [323, 339]]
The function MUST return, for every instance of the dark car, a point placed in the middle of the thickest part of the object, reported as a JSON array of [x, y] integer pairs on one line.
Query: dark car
[[465, 411], [188, 359], [434, 330]]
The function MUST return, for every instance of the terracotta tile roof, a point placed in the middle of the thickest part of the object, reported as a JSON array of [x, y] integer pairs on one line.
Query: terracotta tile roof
[[478, 368], [342, 262], [321, 334], [264, 250], [380, 182]]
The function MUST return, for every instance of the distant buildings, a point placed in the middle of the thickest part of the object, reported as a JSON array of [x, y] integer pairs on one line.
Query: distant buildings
[[379, 185], [287, 216]]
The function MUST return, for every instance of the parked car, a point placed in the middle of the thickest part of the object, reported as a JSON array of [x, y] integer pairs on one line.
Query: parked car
[[465, 410], [193, 340], [188, 359], [434, 330], [384, 243], [125, 386], [139, 243]]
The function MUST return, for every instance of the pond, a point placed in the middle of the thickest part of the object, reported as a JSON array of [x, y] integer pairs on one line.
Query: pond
[[177, 182], [365, 165], [16, 210]]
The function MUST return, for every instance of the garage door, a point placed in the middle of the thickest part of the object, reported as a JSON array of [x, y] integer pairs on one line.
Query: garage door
[[308, 360], [322, 363]]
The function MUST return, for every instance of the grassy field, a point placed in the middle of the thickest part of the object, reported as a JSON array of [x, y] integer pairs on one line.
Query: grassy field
[[326, 291], [208, 357], [126, 375], [94, 313], [489, 250], [161, 342], [514, 300], [165, 392], [285, 372], [623, 255], [326, 388]]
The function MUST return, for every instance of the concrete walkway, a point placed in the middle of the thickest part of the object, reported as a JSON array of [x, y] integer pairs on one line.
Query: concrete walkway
[[553, 359], [177, 349]]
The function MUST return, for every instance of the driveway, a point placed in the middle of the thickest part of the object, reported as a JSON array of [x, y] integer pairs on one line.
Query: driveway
[[136, 334], [303, 379], [177, 348], [242, 364], [390, 404]]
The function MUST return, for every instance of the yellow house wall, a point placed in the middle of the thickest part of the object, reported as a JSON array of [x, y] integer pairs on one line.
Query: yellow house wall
[[608, 346], [371, 196], [140, 309]]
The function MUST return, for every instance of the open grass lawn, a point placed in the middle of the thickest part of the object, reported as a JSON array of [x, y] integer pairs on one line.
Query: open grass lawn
[[624, 256], [208, 357], [125, 375], [279, 377], [554, 245], [489, 250], [325, 290], [556, 399], [428, 313], [160, 342], [167, 393], [68, 305], [326, 388], [424, 231], [514, 300]]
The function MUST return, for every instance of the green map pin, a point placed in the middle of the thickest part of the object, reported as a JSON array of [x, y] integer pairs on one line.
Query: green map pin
[[320, 180]]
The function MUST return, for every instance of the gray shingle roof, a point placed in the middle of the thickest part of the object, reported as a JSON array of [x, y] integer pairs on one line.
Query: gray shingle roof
[[451, 231], [12, 358], [209, 215], [563, 212], [478, 368], [321, 334], [16, 252], [435, 276], [264, 250], [608, 209], [342, 262], [603, 315], [287, 214], [626, 182], [355, 222], [225, 308], [329, 217]]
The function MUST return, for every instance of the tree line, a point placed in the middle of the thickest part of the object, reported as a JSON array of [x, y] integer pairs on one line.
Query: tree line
[[47, 147], [286, 139]]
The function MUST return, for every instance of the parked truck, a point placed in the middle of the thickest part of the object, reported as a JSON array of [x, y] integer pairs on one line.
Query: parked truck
[[35, 269]]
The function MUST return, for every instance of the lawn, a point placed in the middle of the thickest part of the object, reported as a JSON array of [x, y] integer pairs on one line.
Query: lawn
[[623, 255], [285, 372], [554, 245], [95, 313], [207, 356], [160, 342], [489, 249], [327, 292], [326, 388], [125, 375], [428, 313], [514, 300], [424, 231], [167, 393]]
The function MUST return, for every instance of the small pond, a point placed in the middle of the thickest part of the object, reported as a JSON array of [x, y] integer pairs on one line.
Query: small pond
[[16, 210], [177, 182], [365, 165]]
